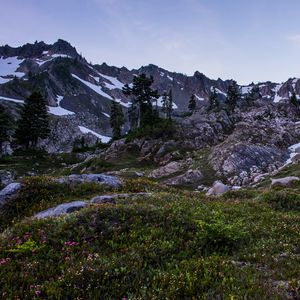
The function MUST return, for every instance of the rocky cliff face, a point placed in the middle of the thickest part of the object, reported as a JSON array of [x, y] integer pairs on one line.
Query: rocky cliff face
[[245, 144]]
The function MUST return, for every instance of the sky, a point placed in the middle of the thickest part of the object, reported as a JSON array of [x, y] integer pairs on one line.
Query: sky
[[249, 41]]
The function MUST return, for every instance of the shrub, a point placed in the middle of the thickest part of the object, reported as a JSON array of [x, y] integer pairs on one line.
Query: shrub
[[240, 194], [216, 234], [39, 193], [161, 129], [283, 200]]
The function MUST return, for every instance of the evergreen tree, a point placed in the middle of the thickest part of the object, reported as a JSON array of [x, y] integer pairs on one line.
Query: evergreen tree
[[192, 104], [142, 96], [33, 123], [5, 124], [253, 95], [167, 104], [233, 96], [117, 119], [294, 101], [213, 100]]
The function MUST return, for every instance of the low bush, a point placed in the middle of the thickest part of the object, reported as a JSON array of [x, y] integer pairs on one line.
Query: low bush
[[282, 200], [39, 193]]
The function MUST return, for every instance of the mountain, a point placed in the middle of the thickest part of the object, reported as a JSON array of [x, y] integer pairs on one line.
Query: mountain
[[79, 94]]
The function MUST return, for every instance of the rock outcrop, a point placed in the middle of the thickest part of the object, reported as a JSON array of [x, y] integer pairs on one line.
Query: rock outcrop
[[218, 189], [67, 208], [61, 209], [286, 181], [169, 169], [191, 177], [9, 191], [112, 198], [111, 181]]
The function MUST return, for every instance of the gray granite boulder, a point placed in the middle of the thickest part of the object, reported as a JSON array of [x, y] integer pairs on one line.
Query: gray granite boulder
[[6, 177], [9, 191], [191, 177], [169, 169], [112, 198], [112, 181], [61, 209], [286, 181], [217, 189]]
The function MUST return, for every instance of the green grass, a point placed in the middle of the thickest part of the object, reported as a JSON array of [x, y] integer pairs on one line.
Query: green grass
[[289, 170], [38, 163], [201, 162], [124, 161], [172, 245]]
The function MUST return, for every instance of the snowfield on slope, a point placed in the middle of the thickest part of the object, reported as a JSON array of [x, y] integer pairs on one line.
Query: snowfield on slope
[[8, 67], [104, 139], [58, 110], [160, 103], [94, 87], [11, 99]]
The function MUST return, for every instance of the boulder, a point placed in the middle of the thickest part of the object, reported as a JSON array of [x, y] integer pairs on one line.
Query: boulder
[[61, 209], [111, 181], [286, 181], [9, 191], [6, 177], [296, 158], [191, 177], [112, 198], [169, 169], [6, 149], [217, 189]]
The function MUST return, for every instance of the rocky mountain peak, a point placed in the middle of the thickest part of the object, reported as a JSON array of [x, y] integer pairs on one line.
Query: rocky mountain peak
[[64, 47]]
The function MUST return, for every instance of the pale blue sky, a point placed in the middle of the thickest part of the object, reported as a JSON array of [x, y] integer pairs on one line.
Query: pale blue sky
[[248, 41]]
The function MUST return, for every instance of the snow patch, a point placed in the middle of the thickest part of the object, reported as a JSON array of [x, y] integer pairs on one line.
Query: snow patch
[[8, 67], [277, 97], [106, 115], [171, 78], [125, 104], [115, 82], [160, 103], [94, 87], [58, 110], [246, 89], [103, 138], [11, 99], [220, 92], [199, 98], [47, 58], [293, 153]]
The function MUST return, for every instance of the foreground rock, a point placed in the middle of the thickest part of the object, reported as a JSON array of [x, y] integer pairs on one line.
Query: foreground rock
[[217, 189], [112, 198], [9, 191], [286, 181], [169, 169], [111, 181], [61, 209], [6, 177], [67, 208], [191, 177]]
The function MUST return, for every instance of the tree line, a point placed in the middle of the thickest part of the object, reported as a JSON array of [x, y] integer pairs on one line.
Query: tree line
[[32, 125], [144, 115]]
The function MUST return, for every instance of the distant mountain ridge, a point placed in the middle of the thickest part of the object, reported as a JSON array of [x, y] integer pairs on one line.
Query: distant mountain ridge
[[81, 92]]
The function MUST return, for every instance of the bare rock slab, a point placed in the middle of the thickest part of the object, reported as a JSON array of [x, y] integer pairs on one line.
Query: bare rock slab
[[217, 189], [286, 181], [61, 209], [112, 181], [9, 191]]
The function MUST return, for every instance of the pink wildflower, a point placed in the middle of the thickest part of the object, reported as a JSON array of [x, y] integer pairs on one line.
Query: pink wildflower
[[37, 293], [71, 244], [4, 261]]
